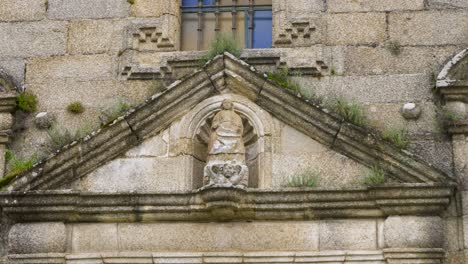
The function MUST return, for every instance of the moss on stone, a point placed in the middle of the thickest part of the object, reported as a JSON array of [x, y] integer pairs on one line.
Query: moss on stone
[[76, 108], [27, 102]]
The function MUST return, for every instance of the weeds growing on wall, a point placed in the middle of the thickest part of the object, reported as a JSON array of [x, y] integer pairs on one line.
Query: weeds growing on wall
[[350, 112], [375, 176], [282, 77], [306, 179], [16, 165], [60, 137], [222, 43], [76, 108], [109, 115], [131, 2], [399, 137], [27, 102]]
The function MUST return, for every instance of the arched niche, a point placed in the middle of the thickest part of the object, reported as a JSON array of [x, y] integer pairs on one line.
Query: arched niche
[[195, 129]]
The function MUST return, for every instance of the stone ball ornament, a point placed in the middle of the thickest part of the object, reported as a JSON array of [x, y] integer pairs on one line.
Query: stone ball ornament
[[411, 111]]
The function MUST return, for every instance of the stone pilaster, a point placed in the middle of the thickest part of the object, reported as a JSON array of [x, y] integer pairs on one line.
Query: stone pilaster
[[7, 106]]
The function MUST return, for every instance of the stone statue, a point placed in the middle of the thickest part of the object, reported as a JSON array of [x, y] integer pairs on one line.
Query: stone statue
[[226, 152]]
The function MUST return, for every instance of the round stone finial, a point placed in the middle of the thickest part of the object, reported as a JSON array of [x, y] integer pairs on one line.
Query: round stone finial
[[411, 111]]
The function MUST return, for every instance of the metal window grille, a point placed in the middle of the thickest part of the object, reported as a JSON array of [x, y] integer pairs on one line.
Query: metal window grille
[[204, 7]]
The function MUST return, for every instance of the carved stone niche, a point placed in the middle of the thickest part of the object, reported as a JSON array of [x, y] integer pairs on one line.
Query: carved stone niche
[[195, 132]]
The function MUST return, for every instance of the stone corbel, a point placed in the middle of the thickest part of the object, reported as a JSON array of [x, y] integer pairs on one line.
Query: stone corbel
[[7, 107]]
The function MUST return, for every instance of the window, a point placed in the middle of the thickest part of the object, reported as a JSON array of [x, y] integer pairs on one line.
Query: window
[[249, 22]]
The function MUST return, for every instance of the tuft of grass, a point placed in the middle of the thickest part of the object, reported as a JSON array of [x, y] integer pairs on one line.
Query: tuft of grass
[[375, 176], [399, 137], [394, 47], [282, 77], [306, 179], [59, 137], [350, 112], [76, 108], [27, 102], [16, 165], [109, 115], [132, 2], [222, 43]]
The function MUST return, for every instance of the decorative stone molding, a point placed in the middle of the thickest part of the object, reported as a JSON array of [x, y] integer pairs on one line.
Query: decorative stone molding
[[299, 34], [152, 39], [227, 204], [414, 255], [286, 257], [8, 93], [224, 74], [452, 84]]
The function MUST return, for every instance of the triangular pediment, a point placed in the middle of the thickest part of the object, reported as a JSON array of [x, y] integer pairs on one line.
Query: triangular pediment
[[223, 75]]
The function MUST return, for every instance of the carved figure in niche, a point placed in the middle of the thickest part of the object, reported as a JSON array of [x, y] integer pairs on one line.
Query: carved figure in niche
[[226, 152]]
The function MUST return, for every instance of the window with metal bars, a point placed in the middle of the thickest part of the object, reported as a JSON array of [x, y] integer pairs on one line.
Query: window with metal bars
[[249, 22]]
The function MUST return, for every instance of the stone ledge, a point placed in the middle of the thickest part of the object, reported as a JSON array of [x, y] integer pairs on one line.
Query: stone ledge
[[227, 204], [371, 256]]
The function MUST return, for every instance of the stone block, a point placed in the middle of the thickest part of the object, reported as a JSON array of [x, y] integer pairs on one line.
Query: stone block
[[447, 4], [238, 236], [154, 8], [429, 27], [95, 36], [348, 234], [14, 68], [14, 10], [374, 5], [367, 60], [94, 238], [37, 238], [33, 39], [303, 8], [398, 88], [71, 9], [356, 28], [156, 146], [139, 174], [414, 232], [79, 67], [435, 151]]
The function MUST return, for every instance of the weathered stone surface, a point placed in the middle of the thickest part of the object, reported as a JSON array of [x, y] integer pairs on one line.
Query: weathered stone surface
[[154, 8], [414, 232], [372, 89], [348, 234], [49, 39], [447, 4], [66, 9], [435, 151], [43, 120], [374, 5], [37, 238], [13, 10], [139, 174], [367, 60], [80, 67], [303, 8], [356, 28], [218, 237], [156, 146], [429, 27], [94, 238], [14, 68], [95, 36]]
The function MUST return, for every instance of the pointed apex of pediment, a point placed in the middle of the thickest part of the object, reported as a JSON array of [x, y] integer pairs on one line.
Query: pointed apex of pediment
[[254, 94]]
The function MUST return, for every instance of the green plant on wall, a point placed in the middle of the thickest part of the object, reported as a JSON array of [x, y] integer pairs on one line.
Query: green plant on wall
[[222, 43], [16, 165], [76, 108], [27, 102], [399, 137], [282, 77], [375, 176], [350, 112], [305, 179]]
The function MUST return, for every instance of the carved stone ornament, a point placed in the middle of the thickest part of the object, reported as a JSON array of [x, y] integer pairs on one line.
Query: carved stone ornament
[[226, 152]]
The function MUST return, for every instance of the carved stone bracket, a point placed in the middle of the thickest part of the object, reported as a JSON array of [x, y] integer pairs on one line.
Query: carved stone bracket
[[152, 38]]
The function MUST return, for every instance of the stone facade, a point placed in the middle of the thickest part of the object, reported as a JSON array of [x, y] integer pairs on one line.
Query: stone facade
[[129, 192]]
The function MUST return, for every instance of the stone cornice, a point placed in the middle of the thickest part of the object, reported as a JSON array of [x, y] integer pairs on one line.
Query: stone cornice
[[227, 204]]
